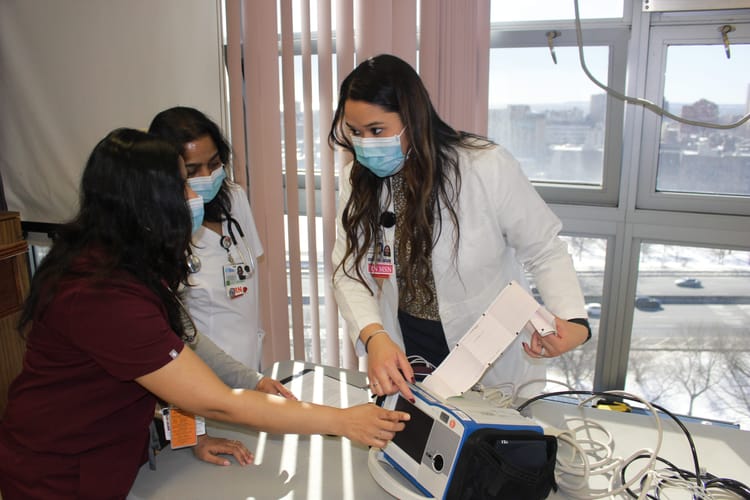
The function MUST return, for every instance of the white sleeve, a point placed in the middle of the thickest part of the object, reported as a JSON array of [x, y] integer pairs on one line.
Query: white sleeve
[[229, 370], [532, 229]]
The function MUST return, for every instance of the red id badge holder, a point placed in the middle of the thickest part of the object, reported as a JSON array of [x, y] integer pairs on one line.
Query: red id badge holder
[[235, 279], [380, 262]]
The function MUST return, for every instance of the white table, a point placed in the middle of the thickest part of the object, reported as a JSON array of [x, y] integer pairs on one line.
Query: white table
[[286, 466], [325, 467]]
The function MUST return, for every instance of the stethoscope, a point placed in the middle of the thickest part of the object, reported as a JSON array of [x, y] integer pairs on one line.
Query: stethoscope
[[194, 262], [227, 241]]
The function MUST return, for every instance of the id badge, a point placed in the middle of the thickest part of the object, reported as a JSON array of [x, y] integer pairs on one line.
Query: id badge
[[235, 279], [182, 428], [380, 260]]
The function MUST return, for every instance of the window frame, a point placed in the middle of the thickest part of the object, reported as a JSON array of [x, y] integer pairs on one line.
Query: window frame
[[660, 39], [613, 34]]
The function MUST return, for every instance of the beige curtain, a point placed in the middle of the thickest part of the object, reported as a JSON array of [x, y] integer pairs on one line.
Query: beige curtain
[[453, 60]]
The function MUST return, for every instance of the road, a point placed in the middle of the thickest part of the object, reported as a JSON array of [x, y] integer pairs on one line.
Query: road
[[714, 285], [690, 319], [721, 305]]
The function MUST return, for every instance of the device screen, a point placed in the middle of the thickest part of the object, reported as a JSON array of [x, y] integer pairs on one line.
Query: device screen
[[413, 438]]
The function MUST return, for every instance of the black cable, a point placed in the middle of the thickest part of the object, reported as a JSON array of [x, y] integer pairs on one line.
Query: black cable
[[707, 480], [608, 395], [736, 487], [686, 475], [689, 438], [704, 481]]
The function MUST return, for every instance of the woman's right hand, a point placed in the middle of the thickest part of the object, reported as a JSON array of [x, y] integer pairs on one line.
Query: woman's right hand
[[387, 368], [273, 386], [372, 425]]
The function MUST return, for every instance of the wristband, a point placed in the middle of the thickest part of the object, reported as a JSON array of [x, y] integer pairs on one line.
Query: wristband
[[367, 342]]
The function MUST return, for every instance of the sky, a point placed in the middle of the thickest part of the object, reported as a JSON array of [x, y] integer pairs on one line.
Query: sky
[[529, 76]]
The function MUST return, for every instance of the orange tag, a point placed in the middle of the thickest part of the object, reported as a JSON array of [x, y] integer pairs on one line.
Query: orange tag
[[183, 428]]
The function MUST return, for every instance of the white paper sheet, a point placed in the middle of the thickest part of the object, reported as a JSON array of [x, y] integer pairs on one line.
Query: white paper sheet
[[513, 311]]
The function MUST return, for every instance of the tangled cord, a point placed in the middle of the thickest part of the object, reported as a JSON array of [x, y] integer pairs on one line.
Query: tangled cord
[[586, 454], [673, 477]]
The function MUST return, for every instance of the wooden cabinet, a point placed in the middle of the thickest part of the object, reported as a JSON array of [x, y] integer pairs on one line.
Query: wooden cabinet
[[14, 285]]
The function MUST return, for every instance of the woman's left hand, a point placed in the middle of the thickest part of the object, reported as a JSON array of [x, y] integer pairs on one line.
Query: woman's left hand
[[209, 448], [566, 337], [273, 386]]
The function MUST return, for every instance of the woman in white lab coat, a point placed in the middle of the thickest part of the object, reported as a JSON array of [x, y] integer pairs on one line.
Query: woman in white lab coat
[[462, 220]]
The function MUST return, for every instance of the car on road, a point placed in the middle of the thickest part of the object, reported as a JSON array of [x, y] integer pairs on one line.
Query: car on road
[[594, 309], [646, 303], [688, 282]]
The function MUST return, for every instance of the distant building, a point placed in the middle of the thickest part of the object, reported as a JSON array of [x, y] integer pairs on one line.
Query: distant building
[[703, 111]]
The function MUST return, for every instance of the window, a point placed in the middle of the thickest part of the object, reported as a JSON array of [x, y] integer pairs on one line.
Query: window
[[690, 342], [695, 168], [576, 368], [664, 206], [550, 117], [563, 129]]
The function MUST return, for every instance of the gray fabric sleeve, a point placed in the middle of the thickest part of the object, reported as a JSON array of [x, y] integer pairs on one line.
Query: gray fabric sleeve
[[230, 371]]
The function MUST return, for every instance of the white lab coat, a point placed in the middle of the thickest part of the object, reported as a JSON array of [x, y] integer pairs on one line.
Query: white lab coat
[[233, 324], [504, 224]]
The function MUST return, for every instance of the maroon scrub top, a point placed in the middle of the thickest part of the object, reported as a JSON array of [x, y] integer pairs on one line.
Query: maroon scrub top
[[76, 425]]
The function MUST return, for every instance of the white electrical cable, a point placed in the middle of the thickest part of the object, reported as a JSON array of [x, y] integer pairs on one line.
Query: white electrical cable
[[517, 398], [666, 479], [500, 395], [652, 453], [637, 100], [415, 358], [590, 458]]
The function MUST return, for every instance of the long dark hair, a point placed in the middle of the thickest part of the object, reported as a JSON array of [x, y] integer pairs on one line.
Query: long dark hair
[[431, 171], [133, 215], [180, 125]]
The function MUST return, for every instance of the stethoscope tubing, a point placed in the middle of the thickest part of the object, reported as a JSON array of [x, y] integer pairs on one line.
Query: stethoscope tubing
[[194, 262]]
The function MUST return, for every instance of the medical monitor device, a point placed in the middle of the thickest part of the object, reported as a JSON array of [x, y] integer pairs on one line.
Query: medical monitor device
[[427, 451]]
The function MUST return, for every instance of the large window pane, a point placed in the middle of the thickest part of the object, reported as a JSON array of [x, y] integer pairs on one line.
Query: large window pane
[[690, 346], [697, 159], [576, 368], [550, 116]]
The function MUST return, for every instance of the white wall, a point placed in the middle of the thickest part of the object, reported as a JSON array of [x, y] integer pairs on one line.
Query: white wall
[[73, 70]]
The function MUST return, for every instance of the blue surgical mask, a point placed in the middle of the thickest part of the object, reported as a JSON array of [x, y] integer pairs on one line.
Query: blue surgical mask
[[196, 212], [380, 155], [208, 186]]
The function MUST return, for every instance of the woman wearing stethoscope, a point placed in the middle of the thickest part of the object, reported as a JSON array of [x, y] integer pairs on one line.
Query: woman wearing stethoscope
[[223, 298]]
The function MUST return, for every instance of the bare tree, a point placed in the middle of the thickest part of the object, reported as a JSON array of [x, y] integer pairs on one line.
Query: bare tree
[[734, 389], [578, 366], [645, 367], [697, 368], [696, 372]]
